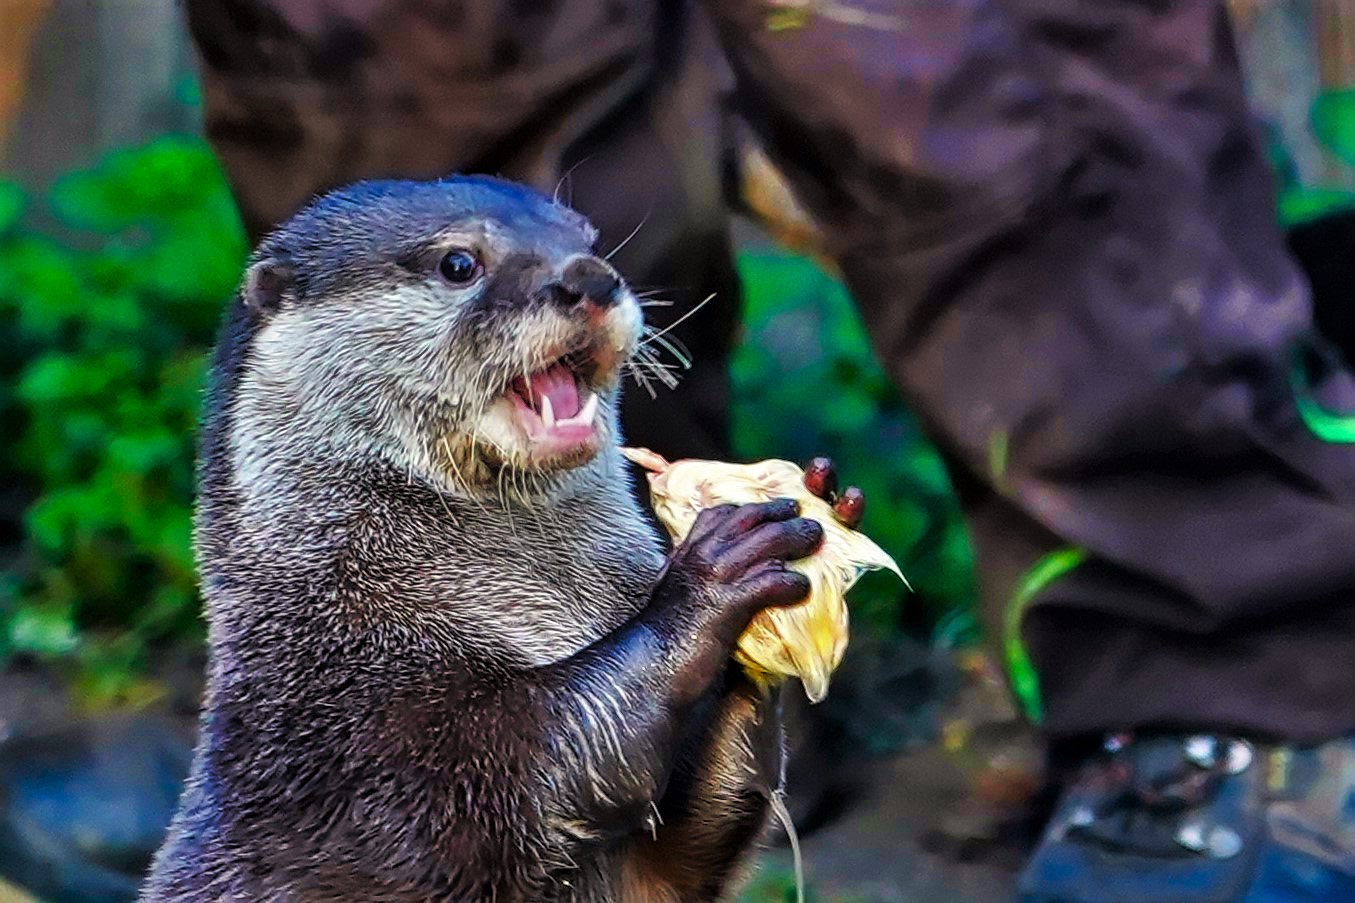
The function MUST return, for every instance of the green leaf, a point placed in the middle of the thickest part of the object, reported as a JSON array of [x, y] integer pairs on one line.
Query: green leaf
[[194, 262], [787, 19], [42, 631], [805, 382], [109, 674], [1021, 671], [1333, 120], [48, 379], [1301, 205], [1281, 160], [90, 200], [56, 378], [12, 203], [55, 518], [41, 281]]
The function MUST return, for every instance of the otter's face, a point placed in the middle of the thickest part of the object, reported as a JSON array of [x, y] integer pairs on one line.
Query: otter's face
[[552, 341], [466, 326]]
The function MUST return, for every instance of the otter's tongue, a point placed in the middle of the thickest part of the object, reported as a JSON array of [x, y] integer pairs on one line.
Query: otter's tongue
[[551, 413], [558, 385]]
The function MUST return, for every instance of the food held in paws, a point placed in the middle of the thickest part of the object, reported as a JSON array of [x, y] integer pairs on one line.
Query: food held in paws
[[806, 640]]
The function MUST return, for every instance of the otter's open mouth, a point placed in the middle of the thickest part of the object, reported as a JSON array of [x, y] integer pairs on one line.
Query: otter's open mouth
[[555, 408]]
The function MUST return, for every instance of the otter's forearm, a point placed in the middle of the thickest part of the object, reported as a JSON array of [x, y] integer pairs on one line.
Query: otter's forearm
[[620, 710], [584, 747], [716, 805], [621, 707]]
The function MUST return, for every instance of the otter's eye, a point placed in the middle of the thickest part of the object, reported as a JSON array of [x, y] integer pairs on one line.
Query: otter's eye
[[459, 267]]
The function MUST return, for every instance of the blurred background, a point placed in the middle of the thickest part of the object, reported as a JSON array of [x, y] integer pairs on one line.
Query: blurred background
[[119, 245]]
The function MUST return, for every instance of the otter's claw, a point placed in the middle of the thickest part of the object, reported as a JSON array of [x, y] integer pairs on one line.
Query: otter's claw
[[821, 480], [850, 507]]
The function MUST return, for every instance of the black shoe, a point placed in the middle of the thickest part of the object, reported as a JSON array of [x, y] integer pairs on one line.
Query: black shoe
[[1201, 819]]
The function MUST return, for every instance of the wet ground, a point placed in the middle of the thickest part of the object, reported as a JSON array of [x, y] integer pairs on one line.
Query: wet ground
[[879, 851], [938, 823]]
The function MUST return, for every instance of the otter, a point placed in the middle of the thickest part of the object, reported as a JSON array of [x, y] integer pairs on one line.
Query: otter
[[450, 656]]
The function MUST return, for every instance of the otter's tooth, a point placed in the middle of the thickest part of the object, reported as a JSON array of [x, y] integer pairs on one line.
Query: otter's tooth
[[547, 412], [590, 409]]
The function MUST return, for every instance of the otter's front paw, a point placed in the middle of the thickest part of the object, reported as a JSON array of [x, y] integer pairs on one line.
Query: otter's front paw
[[732, 565]]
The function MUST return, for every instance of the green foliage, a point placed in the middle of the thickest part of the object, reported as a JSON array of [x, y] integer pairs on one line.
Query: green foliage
[[102, 347], [1333, 120], [772, 885], [806, 384], [1333, 124], [1300, 205], [775, 883], [12, 202]]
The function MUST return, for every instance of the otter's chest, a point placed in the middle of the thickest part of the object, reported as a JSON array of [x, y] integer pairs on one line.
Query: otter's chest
[[544, 591]]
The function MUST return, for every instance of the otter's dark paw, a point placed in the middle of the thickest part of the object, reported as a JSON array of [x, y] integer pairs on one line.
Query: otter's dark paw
[[821, 479], [732, 564]]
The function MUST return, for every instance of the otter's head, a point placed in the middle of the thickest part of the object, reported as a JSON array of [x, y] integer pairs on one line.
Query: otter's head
[[459, 328]]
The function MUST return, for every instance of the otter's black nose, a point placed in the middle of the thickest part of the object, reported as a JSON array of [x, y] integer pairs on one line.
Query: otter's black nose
[[587, 279]]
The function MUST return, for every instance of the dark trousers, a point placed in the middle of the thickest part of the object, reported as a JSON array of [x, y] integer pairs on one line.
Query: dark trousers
[[1056, 220]]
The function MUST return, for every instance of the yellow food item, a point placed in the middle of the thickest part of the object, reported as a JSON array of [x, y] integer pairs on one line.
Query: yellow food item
[[805, 640]]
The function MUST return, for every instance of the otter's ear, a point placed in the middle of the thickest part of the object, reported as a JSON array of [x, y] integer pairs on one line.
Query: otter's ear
[[269, 283]]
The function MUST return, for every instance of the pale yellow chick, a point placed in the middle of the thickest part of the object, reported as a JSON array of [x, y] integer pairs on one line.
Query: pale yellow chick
[[805, 640]]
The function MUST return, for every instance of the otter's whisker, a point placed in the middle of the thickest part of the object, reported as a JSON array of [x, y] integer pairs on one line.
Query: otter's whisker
[[642, 382], [644, 363], [675, 342], [663, 372], [520, 478], [673, 325], [486, 400], [456, 522], [451, 459], [643, 357], [513, 471], [456, 468], [637, 372], [665, 376], [633, 232], [480, 379], [676, 349], [555, 196], [497, 447], [507, 505]]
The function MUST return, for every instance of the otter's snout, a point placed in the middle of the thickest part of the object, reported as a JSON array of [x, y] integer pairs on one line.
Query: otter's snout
[[586, 280]]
